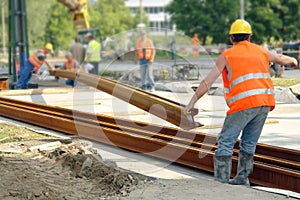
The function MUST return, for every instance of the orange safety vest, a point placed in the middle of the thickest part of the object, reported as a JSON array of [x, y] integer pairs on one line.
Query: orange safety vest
[[148, 48], [246, 78], [35, 61], [195, 41], [69, 67]]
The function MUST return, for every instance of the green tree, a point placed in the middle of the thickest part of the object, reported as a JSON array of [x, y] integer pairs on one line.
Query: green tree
[[110, 16], [59, 30], [264, 21], [270, 19], [289, 13], [37, 19], [207, 18]]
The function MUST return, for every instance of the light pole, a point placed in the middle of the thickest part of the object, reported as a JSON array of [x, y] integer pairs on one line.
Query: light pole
[[141, 25], [3, 28], [242, 11], [141, 11]]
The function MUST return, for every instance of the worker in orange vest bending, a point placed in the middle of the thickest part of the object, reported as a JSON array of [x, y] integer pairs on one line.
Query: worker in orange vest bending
[[195, 43], [32, 65], [249, 94], [145, 52], [70, 64]]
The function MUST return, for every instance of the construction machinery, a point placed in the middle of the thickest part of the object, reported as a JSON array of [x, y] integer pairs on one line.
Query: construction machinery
[[80, 16], [79, 12]]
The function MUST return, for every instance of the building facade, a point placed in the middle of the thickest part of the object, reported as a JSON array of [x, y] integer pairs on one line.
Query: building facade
[[159, 19]]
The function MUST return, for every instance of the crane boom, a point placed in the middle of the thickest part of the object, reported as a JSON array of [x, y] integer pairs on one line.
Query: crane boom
[[79, 12]]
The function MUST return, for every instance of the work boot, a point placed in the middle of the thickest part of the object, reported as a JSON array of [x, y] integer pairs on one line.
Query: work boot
[[222, 168], [245, 168]]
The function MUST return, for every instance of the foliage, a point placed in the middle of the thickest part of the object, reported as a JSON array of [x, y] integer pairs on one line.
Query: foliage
[[37, 20], [207, 18], [59, 29], [111, 17], [289, 13], [270, 19], [265, 23]]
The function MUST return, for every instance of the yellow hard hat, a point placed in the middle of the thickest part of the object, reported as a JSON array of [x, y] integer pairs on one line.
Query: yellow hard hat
[[49, 46], [240, 26]]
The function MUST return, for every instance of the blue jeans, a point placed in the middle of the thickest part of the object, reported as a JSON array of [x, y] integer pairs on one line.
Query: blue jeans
[[173, 54], [146, 73], [71, 82], [250, 122], [25, 76]]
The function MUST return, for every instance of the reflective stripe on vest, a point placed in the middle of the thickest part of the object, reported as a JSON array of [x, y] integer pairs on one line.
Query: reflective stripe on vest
[[246, 78], [69, 67], [96, 48], [249, 93], [35, 61], [145, 51]]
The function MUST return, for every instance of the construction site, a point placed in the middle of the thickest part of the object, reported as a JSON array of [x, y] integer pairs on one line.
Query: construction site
[[69, 133]]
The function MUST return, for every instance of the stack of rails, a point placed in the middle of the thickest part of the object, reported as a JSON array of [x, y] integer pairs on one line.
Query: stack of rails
[[273, 166]]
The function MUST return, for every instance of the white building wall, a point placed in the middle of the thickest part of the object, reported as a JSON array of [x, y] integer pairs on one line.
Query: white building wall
[[155, 10]]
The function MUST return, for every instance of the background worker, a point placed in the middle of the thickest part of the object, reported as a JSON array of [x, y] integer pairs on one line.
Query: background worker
[[146, 53], [173, 48], [92, 53], [249, 94], [195, 43], [70, 64], [77, 50], [33, 64]]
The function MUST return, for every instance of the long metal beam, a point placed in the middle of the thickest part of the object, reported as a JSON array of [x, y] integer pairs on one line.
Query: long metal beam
[[166, 109]]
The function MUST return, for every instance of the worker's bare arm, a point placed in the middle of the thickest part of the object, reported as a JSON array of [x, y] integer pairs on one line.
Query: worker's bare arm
[[207, 82], [282, 59]]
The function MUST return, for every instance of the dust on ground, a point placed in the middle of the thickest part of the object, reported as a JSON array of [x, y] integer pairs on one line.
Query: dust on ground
[[70, 171], [39, 167]]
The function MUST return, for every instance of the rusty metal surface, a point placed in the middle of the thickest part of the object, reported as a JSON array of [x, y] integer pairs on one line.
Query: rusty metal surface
[[160, 107], [264, 153], [161, 142]]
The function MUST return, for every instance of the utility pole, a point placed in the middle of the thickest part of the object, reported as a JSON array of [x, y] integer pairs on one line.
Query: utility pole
[[141, 25], [3, 29], [141, 11], [242, 10]]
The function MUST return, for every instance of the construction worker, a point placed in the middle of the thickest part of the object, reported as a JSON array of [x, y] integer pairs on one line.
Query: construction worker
[[77, 50], [92, 53], [249, 94], [32, 65], [145, 53], [70, 64], [195, 43]]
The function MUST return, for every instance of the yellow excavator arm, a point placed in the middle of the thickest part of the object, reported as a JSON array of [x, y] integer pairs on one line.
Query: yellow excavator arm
[[79, 12]]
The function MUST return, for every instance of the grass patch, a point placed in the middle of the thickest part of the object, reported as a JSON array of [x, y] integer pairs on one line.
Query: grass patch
[[11, 133], [285, 82]]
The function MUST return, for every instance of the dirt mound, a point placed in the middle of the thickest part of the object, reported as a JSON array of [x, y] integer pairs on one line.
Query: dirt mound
[[71, 171]]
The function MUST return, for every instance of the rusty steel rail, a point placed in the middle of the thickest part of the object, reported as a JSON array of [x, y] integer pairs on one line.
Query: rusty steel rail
[[161, 142], [199, 140], [146, 100], [165, 133], [171, 112], [264, 153]]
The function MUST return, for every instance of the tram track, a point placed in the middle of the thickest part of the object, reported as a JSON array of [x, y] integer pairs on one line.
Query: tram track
[[273, 167]]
